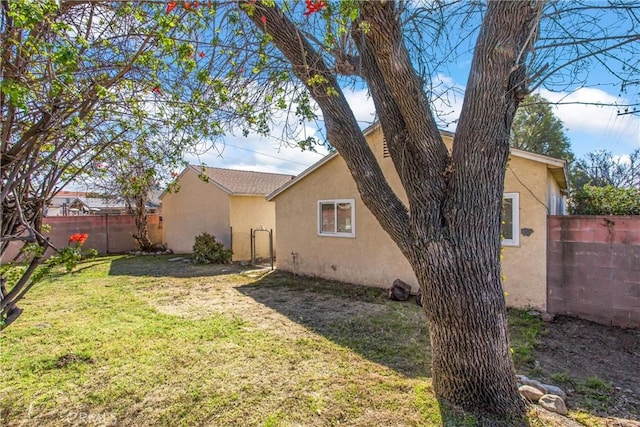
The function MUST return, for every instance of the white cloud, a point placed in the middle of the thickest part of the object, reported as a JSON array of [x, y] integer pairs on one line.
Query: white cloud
[[578, 113], [362, 106], [447, 103], [274, 155], [258, 154]]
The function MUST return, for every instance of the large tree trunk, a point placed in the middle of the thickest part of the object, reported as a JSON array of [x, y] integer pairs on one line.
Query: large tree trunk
[[450, 231], [463, 300]]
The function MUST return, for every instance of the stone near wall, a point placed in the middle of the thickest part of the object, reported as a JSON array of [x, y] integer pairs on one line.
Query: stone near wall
[[551, 389], [399, 290], [549, 397], [547, 317], [530, 393], [533, 383], [553, 403]]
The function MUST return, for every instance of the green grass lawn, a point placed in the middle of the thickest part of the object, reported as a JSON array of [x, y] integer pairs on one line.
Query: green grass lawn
[[143, 341]]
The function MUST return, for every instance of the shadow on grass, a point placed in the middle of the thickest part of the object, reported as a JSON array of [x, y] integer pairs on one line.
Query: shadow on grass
[[360, 318], [86, 265], [365, 321], [169, 266]]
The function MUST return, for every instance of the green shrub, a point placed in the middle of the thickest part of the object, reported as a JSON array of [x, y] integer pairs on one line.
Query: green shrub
[[590, 200], [207, 249]]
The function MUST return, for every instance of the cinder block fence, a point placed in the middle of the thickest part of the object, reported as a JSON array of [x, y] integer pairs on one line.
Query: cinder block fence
[[593, 268], [108, 234]]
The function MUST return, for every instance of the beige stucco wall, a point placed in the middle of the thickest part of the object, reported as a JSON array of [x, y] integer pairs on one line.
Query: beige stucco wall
[[251, 212], [371, 257], [525, 266], [196, 208]]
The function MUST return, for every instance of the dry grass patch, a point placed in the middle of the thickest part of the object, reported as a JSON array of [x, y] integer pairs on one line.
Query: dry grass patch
[[143, 341], [147, 342]]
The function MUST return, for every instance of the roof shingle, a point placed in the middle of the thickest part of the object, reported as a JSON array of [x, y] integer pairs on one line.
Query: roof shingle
[[241, 182]]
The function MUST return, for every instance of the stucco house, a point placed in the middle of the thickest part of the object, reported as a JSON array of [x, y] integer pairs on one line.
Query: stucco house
[[325, 230], [224, 202]]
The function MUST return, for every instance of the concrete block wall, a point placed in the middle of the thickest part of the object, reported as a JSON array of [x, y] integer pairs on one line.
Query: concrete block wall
[[108, 234], [593, 268]]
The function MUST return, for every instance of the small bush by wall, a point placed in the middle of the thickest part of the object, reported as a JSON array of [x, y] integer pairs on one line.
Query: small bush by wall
[[590, 200], [207, 249]]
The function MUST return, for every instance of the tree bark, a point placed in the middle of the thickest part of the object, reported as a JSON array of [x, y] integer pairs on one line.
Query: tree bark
[[142, 230], [450, 231]]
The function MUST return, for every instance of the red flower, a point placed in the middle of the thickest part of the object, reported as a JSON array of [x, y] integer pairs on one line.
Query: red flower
[[78, 238], [201, 54], [157, 90], [263, 19], [314, 6], [170, 6], [196, 4], [187, 5]]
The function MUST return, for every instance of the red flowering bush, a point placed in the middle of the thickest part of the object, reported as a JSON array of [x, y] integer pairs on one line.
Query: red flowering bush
[[72, 253]]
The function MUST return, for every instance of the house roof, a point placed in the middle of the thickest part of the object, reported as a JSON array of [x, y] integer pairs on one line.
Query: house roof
[[95, 204], [240, 182], [557, 167]]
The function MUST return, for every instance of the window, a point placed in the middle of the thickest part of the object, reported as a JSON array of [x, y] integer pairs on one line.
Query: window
[[336, 218], [510, 229]]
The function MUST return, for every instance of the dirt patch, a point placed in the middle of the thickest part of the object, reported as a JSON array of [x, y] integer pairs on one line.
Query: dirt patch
[[598, 366], [67, 359], [265, 307]]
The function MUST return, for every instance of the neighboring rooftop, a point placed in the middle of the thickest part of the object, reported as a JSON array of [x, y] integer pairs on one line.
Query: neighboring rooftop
[[240, 182]]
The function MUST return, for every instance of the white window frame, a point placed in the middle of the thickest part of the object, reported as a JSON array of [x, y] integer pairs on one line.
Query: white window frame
[[515, 216], [335, 202]]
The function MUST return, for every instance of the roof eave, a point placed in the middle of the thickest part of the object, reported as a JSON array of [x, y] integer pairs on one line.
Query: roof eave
[[248, 194], [558, 167], [301, 175]]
